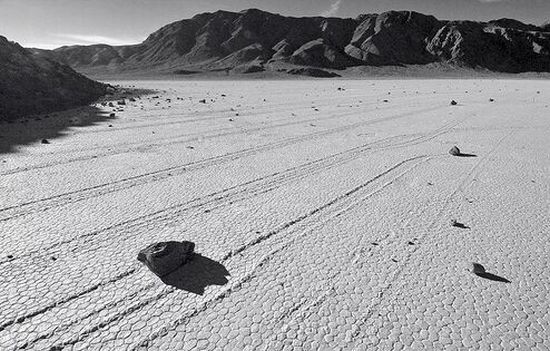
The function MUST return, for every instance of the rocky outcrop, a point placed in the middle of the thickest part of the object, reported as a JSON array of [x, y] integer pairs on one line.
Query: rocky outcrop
[[33, 84], [225, 40], [312, 72], [395, 37]]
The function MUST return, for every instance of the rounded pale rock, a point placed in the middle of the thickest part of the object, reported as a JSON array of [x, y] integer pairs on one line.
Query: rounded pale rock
[[165, 257], [455, 151]]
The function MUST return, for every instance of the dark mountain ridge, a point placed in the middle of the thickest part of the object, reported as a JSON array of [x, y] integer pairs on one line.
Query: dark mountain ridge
[[229, 40], [32, 84]]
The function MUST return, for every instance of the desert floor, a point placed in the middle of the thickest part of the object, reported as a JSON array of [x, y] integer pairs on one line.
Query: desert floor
[[322, 217]]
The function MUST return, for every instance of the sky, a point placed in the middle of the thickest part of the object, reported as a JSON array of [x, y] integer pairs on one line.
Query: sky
[[53, 23]]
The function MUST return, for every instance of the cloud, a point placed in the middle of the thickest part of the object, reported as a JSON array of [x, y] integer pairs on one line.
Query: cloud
[[334, 7], [84, 39]]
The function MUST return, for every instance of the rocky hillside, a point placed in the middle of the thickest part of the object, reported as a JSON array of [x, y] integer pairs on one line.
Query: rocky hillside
[[226, 40], [31, 84]]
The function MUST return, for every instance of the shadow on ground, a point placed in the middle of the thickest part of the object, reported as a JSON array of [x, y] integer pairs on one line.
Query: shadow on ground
[[466, 155], [492, 277], [50, 126], [480, 271], [197, 274]]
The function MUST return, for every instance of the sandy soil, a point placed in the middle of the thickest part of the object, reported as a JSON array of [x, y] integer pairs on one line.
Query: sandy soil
[[322, 216]]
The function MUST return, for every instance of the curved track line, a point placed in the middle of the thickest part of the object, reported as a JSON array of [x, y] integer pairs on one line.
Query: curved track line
[[432, 224], [250, 274], [43, 204], [252, 188]]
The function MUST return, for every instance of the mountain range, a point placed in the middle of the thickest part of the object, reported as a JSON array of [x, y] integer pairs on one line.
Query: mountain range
[[254, 40]]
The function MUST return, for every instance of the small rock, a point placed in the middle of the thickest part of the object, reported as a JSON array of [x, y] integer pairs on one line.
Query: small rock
[[165, 257], [121, 102], [111, 115], [491, 100], [455, 151], [454, 103], [45, 141], [111, 104], [478, 269], [203, 101]]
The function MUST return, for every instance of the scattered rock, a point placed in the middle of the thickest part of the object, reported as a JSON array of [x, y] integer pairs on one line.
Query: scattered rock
[[121, 102], [455, 151], [165, 257], [111, 104]]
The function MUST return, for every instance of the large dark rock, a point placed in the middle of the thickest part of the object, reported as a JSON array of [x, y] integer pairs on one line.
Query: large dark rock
[[165, 257]]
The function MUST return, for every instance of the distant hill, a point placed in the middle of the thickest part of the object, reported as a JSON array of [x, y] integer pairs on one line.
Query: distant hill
[[228, 40], [31, 84]]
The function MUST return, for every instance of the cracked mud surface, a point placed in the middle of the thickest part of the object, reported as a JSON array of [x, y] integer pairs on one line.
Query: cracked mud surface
[[321, 217]]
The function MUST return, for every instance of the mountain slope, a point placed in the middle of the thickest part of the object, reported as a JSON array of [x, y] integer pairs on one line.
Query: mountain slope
[[31, 84], [225, 40]]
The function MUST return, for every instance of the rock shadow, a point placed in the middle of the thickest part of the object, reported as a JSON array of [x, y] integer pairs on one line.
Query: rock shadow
[[465, 155], [492, 277], [459, 225], [197, 274], [480, 271], [32, 129]]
